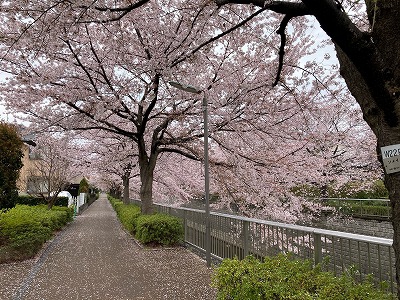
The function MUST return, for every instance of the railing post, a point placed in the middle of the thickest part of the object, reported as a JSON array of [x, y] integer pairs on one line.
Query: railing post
[[317, 248], [185, 226], [246, 238]]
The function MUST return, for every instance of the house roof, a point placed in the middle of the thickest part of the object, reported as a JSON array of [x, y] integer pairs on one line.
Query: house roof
[[29, 139]]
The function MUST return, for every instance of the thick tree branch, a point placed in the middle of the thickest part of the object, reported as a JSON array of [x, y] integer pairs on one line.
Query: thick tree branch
[[106, 125], [123, 11], [360, 49], [281, 7], [158, 134], [81, 65], [128, 8], [179, 151], [281, 32], [147, 112], [357, 45], [145, 48]]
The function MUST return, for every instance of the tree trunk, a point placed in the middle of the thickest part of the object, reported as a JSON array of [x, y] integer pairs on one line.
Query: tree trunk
[[381, 110], [147, 164], [50, 202], [125, 183], [386, 135], [392, 183], [146, 189]]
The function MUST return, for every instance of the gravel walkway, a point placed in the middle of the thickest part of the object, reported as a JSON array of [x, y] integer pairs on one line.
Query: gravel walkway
[[93, 258]]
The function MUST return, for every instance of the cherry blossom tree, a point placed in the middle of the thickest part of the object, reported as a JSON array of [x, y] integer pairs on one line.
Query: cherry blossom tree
[[113, 155], [305, 137], [107, 68], [98, 81], [51, 169], [178, 179], [114, 159], [95, 84], [363, 33], [366, 51]]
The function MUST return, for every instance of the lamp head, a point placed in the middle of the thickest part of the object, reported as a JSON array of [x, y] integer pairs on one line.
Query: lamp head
[[184, 87]]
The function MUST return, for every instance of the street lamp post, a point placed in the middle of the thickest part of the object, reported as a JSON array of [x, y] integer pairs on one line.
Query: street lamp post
[[194, 90]]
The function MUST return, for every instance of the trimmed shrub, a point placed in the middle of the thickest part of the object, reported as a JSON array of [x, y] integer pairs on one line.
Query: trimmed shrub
[[282, 278], [69, 213], [24, 229], [127, 214], [113, 201], [26, 234], [118, 205], [33, 201], [22, 234], [53, 219], [159, 229]]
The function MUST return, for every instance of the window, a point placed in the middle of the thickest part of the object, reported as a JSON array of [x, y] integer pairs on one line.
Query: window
[[36, 185]]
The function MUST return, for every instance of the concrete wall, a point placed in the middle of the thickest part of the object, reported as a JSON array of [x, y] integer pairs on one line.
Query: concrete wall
[[25, 171]]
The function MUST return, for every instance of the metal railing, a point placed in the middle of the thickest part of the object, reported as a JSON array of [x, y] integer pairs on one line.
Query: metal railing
[[235, 236], [365, 208]]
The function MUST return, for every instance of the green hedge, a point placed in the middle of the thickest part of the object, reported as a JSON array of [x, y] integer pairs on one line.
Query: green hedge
[[281, 278], [371, 210], [24, 229], [156, 229], [351, 189], [366, 207], [67, 215], [33, 201], [159, 229], [127, 214]]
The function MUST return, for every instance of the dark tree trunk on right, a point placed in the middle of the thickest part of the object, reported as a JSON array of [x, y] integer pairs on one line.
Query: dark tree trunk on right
[[386, 132]]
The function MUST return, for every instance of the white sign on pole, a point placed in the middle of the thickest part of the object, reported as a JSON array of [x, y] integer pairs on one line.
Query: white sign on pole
[[391, 158]]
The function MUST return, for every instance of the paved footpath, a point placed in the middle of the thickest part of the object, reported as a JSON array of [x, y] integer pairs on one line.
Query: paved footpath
[[93, 258]]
